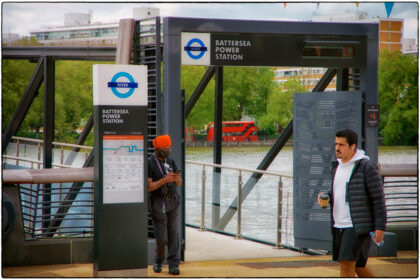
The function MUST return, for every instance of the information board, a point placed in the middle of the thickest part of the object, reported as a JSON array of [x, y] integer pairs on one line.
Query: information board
[[123, 179]]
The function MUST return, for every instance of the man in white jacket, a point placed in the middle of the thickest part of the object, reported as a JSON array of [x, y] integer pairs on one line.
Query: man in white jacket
[[358, 206]]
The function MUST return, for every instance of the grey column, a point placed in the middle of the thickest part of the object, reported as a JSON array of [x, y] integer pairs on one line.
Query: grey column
[[369, 86], [172, 114]]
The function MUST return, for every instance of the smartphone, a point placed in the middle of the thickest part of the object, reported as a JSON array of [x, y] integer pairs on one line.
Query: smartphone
[[178, 171]]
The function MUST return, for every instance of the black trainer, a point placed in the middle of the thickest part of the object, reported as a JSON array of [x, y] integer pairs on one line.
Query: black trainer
[[157, 267], [173, 269]]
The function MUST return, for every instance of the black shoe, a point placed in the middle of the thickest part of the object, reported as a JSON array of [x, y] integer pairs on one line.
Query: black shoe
[[157, 267], [173, 269]]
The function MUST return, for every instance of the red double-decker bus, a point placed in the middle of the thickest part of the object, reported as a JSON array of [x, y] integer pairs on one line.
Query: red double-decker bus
[[239, 131]]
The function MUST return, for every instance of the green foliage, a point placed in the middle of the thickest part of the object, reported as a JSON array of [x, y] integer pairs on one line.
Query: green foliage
[[73, 97], [280, 106], [15, 77], [73, 100], [203, 110], [398, 98], [245, 92]]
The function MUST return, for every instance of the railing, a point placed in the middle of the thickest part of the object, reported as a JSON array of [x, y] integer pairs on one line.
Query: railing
[[29, 151], [274, 202], [400, 183], [77, 220], [281, 198]]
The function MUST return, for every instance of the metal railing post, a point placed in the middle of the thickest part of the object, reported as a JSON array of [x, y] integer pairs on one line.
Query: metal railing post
[[287, 218], [203, 197], [238, 229], [17, 152], [39, 155], [279, 213]]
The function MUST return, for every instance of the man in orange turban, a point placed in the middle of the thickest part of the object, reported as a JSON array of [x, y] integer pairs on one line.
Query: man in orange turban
[[164, 201]]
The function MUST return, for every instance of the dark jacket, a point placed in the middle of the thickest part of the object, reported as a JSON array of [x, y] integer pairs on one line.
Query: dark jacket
[[365, 195]]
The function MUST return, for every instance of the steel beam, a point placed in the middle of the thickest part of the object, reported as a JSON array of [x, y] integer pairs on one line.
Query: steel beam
[[199, 89], [49, 110], [26, 100], [80, 141], [342, 83], [325, 80], [60, 53], [217, 145]]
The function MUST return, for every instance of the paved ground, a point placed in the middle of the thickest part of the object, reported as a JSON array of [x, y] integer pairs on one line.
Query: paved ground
[[213, 255], [405, 265]]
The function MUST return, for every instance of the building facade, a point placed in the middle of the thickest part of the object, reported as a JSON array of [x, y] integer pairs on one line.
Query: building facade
[[78, 30]]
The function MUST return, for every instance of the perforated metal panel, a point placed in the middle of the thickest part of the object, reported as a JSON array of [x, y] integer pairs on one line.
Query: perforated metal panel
[[316, 118]]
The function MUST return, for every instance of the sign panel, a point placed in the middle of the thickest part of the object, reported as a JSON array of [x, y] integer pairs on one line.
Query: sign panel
[[372, 115], [195, 48], [124, 85], [123, 159], [120, 167], [270, 50]]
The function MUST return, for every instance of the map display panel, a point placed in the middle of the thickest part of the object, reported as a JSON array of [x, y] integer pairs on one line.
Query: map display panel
[[123, 161]]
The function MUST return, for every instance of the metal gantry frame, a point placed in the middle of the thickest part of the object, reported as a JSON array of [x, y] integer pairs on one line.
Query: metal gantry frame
[[309, 32]]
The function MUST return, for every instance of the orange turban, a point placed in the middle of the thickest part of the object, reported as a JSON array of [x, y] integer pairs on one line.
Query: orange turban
[[162, 141]]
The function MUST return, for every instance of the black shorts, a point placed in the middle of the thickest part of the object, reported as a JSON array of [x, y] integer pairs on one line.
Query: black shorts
[[347, 246]]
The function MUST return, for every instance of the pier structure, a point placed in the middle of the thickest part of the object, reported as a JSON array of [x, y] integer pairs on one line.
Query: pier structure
[[349, 51]]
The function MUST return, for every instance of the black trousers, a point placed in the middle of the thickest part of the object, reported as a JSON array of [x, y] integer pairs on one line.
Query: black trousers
[[165, 212]]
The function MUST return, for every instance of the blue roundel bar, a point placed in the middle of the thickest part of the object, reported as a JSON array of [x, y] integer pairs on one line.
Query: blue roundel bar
[[189, 48], [115, 85]]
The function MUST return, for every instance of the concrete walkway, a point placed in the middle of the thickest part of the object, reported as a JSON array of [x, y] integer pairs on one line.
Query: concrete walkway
[[209, 246], [213, 255]]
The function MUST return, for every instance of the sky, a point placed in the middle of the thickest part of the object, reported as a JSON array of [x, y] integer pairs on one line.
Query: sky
[[23, 17]]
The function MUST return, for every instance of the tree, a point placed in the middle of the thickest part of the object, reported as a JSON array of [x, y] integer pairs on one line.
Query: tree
[[15, 77], [74, 103], [280, 106], [398, 98], [73, 97], [245, 92], [203, 110]]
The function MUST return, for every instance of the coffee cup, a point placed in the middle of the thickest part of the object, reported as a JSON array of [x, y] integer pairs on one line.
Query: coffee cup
[[324, 200]]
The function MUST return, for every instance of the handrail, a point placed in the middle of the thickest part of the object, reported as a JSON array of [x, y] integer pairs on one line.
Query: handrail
[[238, 169], [39, 142], [398, 170], [45, 176], [34, 161], [54, 143]]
